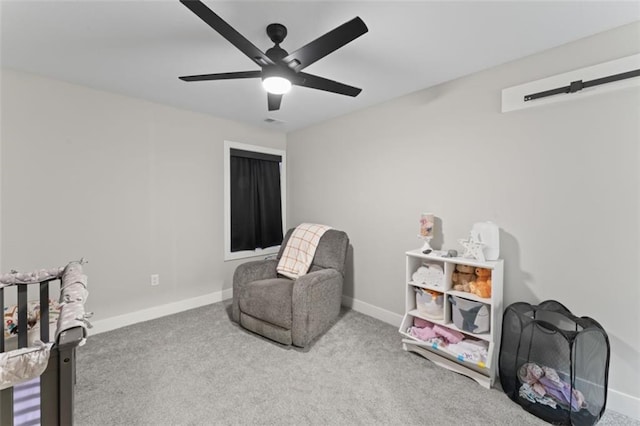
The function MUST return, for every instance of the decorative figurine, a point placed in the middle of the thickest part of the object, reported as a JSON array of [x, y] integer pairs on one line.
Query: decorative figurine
[[473, 247], [427, 221]]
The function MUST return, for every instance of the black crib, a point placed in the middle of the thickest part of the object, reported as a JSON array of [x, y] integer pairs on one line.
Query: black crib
[[56, 384]]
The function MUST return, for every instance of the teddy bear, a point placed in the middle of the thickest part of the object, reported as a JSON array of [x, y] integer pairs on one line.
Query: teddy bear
[[462, 278], [481, 285]]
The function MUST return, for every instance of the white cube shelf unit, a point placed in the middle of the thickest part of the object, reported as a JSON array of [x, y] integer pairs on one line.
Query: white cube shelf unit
[[484, 372]]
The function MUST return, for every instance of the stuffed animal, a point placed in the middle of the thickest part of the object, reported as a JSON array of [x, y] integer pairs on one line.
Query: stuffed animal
[[481, 286], [465, 269], [483, 272], [462, 278]]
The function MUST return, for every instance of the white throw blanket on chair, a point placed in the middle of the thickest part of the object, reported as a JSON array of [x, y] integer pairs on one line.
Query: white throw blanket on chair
[[298, 253]]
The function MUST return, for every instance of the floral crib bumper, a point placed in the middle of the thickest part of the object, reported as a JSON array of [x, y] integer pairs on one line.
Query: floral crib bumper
[[10, 321]]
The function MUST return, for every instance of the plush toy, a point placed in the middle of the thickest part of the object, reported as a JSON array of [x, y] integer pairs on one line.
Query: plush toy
[[465, 269], [462, 278], [461, 282], [483, 274], [481, 286]]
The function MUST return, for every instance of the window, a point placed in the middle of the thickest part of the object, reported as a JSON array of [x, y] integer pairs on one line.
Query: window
[[255, 200]]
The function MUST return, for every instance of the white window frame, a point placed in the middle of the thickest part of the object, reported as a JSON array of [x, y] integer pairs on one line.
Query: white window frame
[[228, 145]]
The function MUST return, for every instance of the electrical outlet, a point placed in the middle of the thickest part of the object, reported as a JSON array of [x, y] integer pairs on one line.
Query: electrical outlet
[[155, 279]]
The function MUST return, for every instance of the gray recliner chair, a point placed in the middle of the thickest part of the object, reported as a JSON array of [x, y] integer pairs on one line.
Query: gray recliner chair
[[292, 311]]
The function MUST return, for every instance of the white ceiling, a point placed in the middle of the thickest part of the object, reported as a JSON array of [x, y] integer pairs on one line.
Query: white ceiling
[[139, 48]]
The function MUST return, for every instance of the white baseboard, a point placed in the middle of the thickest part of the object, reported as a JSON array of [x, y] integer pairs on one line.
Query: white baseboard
[[623, 403], [112, 323], [373, 311], [616, 401]]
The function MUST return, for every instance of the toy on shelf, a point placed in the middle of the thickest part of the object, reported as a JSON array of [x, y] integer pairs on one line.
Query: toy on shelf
[[481, 286], [472, 280], [462, 278], [430, 274]]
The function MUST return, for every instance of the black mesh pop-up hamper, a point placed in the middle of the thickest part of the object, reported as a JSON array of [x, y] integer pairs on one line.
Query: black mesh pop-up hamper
[[554, 364]]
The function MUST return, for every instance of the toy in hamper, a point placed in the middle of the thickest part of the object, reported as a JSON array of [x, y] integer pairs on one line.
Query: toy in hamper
[[554, 364]]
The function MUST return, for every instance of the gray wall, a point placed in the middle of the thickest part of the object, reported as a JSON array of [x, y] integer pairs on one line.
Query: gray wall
[[135, 187], [561, 181]]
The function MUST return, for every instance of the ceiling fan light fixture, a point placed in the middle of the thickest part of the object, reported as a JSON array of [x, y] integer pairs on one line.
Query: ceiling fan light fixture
[[279, 69], [276, 85]]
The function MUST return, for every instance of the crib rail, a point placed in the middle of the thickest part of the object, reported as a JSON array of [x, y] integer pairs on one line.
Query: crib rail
[[22, 314], [7, 395], [61, 374], [56, 384]]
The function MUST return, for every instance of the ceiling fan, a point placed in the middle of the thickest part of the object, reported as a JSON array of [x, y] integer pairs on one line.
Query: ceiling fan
[[280, 69]]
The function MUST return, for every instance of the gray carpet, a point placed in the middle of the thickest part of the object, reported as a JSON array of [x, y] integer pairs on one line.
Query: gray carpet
[[199, 368]]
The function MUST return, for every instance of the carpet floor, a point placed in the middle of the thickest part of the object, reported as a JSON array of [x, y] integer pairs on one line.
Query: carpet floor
[[199, 368]]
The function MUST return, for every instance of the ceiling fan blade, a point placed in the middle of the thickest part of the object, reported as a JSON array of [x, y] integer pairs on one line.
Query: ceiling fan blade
[[321, 83], [274, 101], [228, 32], [323, 45], [222, 76]]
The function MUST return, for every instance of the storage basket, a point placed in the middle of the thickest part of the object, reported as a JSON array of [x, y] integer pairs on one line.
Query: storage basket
[[469, 315], [430, 304], [554, 364]]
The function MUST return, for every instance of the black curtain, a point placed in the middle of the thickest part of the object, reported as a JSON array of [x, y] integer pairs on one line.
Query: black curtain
[[256, 208]]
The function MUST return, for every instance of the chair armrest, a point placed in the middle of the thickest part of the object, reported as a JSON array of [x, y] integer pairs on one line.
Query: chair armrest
[[248, 272], [317, 298]]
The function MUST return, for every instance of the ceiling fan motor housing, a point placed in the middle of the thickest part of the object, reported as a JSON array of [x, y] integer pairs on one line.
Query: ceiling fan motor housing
[[276, 53], [276, 32]]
